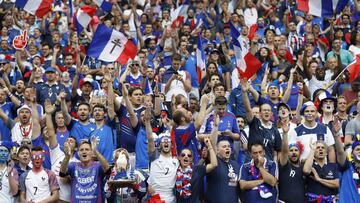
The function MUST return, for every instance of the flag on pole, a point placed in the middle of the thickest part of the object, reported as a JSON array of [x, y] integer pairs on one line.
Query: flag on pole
[[322, 8], [36, 7], [200, 59], [104, 5], [354, 68], [246, 63], [110, 45], [83, 17], [179, 15]]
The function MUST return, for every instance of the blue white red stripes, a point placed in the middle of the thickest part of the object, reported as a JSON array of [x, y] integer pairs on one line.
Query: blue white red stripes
[[200, 59], [246, 63], [179, 15], [83, 17], [104, 5], [322, 8], [110, 45], [36, 7]]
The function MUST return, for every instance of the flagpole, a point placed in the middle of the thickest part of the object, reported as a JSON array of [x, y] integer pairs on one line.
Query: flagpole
[[341, 72]]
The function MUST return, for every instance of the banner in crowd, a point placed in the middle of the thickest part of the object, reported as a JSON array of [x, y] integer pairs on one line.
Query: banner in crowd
[[36, 7], [110, 45], [322, 8]]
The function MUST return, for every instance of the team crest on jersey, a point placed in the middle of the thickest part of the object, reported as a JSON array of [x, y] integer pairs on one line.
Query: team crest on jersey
[[43, 178]]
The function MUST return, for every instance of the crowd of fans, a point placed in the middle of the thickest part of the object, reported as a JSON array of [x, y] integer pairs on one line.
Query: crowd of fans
[[77, 129]]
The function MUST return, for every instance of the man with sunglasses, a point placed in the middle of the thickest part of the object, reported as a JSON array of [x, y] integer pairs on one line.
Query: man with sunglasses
[[38, 184]]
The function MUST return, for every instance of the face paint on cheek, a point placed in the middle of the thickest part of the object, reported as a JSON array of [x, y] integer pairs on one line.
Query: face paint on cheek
[[4, 156]]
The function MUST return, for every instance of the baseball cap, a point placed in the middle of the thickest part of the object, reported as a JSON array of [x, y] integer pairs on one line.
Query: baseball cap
[[88, 80], [50, 69]]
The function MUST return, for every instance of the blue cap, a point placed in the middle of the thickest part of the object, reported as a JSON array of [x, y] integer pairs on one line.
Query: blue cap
[[50, 69], [150, 64], [7, 144], [276, 84]]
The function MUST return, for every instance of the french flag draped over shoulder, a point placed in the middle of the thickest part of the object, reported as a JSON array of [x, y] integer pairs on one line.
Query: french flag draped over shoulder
[[179, 15], [110, 45], [104, 5], [200, 59], [246, 63], [354, 69], [83, 17], [36, 7], [322, 8]]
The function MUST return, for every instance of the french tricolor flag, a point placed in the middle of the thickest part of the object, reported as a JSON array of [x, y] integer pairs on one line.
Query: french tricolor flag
[[322, 8], [179, 15], [246, 63], [82, 17], [104, 5], [36, 7], [200, 59], [110, 45]]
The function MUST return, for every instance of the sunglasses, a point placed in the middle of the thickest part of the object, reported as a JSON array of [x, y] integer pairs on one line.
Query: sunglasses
[[188, 155], [37, 156], [166, 139]]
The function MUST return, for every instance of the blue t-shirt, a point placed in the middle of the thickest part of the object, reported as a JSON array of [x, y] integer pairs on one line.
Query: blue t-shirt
[[185, 137], [227, 123], [86, 182], [80, 131], [61, 138], [348, 190], [8, 108], [222, 183], [141, 149], [248, 173], [269, 137], [106, 140]]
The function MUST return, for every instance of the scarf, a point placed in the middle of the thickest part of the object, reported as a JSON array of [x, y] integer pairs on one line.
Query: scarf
[[183, 184]]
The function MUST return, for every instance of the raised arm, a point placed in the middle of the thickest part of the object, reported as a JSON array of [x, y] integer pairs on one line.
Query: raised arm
[[340, 153], [129, 107], [149, 132], [36, 131], [64, 108], [213, 159], [13, 99], [49, 110], [289, 85], [283, 156], [310, 159], [104, 163], [265, 80], [111, 96], [245, 87], [201, 116], [75, 81]]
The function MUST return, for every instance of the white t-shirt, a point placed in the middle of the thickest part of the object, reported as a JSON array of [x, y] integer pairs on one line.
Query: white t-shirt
[[38, 186], [305, 135], [177, 87], [5, 193], [162, 177], [56, 158]]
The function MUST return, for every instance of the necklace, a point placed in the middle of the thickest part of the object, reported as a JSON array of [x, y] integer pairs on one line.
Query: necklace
[[25, 130]]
